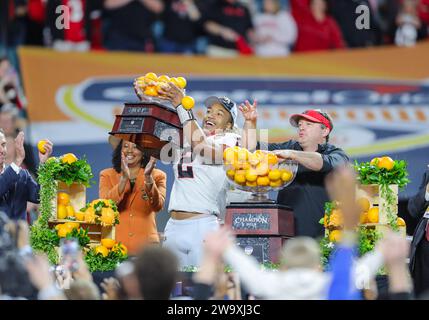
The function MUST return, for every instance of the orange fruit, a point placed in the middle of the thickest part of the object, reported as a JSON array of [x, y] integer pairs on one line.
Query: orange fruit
[[374, 161], [242, 165], [150, 91], [336, 218], [263, 181], [242, 155], [276, 183], [164, 78], [101, 250], [386, 163], [181, 82], [175, 81], [229, 155], [107, 216], [364, 204], [262, 169], [41, 146], [230, 174], [188, 102], [63, 198], [274, 174], [72, 225], [70, 211], [325, 220], [272, 159], [373, 215], [363, 218], [79, 215], [151, 76], [240, 178], [335, 235], [251, 184], [58, 226], [68, 158], [89, 215], [286, 175], [160, 86], [253, 159], [63, 231], [251, 175], [108, 243], [260, 154], [400, 222], [61, 212], [120, 247]]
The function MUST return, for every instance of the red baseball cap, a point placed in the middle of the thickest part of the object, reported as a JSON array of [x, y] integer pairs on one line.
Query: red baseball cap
[[313, 116]]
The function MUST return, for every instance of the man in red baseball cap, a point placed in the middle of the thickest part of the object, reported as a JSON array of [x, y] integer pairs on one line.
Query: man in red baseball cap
[[316, 157]]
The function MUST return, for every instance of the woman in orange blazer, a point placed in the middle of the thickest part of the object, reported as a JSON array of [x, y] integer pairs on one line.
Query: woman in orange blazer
[[139, 191]]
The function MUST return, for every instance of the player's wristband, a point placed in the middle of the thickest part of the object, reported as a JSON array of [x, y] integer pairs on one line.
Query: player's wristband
[[184, 115]]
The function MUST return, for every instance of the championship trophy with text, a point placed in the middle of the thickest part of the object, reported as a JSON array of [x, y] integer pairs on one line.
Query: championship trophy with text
[[260, 225]]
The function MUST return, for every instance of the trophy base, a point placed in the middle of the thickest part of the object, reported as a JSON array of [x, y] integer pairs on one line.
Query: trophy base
[[260, 197]]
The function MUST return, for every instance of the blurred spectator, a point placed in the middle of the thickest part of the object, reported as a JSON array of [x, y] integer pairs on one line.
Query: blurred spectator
[[300, 275], [12, 27], [14, 278], [11, 97], [316, 30], [275, 30], [128, 24], [229, 27], [36, 22], [418, 207], [344, 12], [157, 271], [9, 124], [388, 10], [17, 186], [75, 16], [181, 20], [82, 290], [423, 8], [409, 26]]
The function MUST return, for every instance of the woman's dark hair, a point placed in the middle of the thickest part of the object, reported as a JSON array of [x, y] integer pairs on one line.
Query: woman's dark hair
[[116, 157]]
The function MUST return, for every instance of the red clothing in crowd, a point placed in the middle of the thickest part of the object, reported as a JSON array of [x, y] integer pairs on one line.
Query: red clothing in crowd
[[36, 10], [424, 11], [76, 32], [312, 34]]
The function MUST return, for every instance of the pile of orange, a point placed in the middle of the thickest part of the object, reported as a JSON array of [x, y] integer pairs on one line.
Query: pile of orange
[[254, 169], [99, 211], [64, 208], [68, 158], [108, 245], [150, 83], [334, 223], [65, 228], [383, 162]]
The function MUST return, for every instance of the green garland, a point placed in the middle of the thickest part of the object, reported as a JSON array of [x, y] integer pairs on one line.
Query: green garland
[[97, 262], [367, 239], [371, 174], [43, 239]]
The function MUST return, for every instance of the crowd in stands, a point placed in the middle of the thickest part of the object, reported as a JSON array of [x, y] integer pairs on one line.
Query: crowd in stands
[[212, 27]]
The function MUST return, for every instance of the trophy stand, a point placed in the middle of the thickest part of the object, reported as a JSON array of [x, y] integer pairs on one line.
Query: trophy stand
[[150, 124], [261, 228]]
